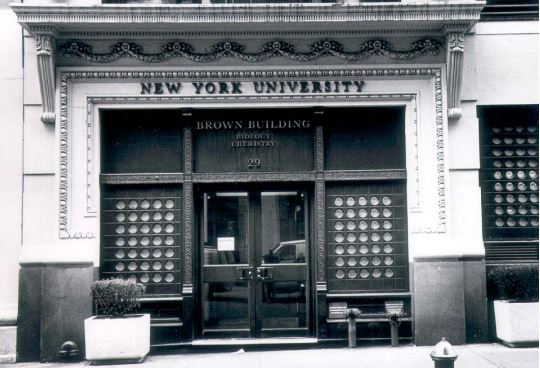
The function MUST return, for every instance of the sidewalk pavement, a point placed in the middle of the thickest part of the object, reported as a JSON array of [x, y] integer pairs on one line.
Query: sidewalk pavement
[[408, 356]]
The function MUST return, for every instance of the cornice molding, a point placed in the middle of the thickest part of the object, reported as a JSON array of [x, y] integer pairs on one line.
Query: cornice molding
[[246, 34], [231, 16], [179, 49]]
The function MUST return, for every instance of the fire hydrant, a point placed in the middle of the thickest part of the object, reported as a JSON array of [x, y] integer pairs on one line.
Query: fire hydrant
[[443, 354]]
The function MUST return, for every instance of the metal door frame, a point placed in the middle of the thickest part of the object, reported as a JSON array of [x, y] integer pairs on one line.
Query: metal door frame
[[255, 293]]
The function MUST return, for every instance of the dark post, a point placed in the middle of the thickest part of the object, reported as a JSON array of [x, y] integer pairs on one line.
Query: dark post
[[394, 310], [394, 324], [352, 314]]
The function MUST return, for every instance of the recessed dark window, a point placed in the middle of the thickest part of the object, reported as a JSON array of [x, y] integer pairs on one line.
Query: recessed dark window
[[364, 138], [141, 141]]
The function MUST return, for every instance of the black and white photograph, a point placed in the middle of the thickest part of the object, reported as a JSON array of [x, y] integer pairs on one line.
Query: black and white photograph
[[269, 183]]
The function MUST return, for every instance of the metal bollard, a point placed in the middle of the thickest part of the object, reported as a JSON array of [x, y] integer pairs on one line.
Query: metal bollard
[[394, 310], [352, 314], [394, 336], [443, 355]]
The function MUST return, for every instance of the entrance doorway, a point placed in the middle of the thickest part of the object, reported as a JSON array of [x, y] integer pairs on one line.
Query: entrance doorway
[[254, 258]]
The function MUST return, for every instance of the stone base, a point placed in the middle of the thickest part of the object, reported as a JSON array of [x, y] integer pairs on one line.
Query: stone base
[[450, 300], [8, 343], [54, 300]]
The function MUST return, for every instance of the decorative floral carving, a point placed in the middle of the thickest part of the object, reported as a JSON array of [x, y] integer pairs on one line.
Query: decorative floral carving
[[320, 230], [188, 151], [366, 175], [319, 149], [44, 44], [440, 153], [119, 179], [188, 233], [456, 41], [253, 177], [268, 50]]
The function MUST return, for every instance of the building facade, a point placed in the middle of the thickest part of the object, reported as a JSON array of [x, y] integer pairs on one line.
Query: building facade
[[260, 167]]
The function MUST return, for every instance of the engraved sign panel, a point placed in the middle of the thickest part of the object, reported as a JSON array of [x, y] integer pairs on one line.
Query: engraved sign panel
[[253, 140]]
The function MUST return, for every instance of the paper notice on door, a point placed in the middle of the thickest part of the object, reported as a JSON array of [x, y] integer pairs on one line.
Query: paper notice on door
[[225, 244]]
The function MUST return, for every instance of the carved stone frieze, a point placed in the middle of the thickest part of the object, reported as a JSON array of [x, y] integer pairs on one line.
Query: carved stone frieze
[[366, 175], [392, 72], [441, 171], [45, 60], [253, 177], [118, 179], [268, 50]]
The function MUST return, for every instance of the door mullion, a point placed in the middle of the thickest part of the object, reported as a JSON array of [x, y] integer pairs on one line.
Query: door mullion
[[254, 243], [255, 232]]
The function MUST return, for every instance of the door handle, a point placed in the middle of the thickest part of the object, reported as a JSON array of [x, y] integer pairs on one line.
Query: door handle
[[265, 273], [244, 273]]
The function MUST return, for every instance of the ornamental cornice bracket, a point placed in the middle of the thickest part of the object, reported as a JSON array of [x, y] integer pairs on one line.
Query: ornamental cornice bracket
[[455, 48], [45, 46]]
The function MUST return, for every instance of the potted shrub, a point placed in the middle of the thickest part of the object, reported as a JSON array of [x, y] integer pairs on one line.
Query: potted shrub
[[115, 333], [514, 292]]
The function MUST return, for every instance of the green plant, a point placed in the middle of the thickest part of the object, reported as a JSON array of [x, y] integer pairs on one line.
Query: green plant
[[116, 297], [508, 282]]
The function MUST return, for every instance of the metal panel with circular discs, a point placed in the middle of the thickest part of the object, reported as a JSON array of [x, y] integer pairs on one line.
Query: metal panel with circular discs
[[141, 232], [367, 237], [510, 181]]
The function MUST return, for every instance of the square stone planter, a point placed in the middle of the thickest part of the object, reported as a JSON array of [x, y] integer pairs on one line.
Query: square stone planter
[[126, 338], [516, 322]]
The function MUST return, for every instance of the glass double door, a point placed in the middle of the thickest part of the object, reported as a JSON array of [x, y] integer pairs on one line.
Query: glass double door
[[254, 277]]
